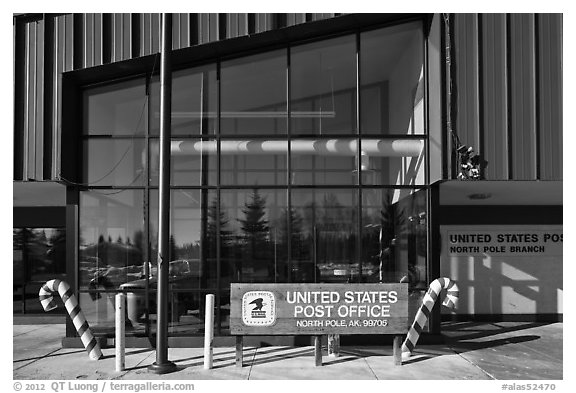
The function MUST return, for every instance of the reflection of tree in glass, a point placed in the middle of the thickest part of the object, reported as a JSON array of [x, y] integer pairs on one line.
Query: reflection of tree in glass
[[211, 227], [255, 226], [172, 249], [290, 218], [392, 224]]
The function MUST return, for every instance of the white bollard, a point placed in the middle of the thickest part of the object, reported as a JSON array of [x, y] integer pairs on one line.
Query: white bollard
[[120, 330], [208, 331]]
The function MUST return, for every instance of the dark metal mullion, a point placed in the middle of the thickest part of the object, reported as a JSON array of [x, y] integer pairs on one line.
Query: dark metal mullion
[[147, 251], [359, 160], [289, 167], [218, 198], [427, 158]]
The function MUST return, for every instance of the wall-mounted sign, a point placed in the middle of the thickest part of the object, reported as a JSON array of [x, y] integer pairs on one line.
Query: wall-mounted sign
[[504, 242], [269, 309]]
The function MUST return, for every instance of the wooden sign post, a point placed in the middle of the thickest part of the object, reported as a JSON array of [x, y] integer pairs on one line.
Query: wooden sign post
[[318, 309]]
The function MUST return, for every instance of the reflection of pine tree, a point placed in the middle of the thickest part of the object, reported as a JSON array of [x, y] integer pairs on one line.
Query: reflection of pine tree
[[290, 218], [172, 249], [139, 240], [212, 229], [255, 226]]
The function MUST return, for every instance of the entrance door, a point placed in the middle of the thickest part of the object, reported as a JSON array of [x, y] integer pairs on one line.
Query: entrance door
[[39, 255]]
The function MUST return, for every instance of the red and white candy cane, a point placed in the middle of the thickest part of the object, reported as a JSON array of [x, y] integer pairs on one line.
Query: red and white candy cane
[[450, 300], [76, 315]]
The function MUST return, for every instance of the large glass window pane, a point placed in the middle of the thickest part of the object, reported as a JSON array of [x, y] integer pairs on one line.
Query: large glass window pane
[[254, 237], [194, 102], [114, 162], [324, 232], [323, 87], [112, 239], [193, 263], [255, 162], [119, 109], [393, 162], [192, 162], [394, 242], [253, 93], [39, 256], [324, 161], [192, 237], [392, 80]]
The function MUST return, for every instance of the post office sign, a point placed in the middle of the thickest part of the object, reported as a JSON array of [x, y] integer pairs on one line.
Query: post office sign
[[276, 309]]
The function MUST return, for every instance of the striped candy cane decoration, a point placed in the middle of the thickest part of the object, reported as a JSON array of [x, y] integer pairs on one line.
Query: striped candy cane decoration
[[71, 304], [450, 301]]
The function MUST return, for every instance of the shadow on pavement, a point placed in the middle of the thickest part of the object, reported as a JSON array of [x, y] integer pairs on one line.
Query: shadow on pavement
[[458, 331]]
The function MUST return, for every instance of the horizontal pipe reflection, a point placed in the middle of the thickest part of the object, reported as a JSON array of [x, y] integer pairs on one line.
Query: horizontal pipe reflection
[[336, 147]]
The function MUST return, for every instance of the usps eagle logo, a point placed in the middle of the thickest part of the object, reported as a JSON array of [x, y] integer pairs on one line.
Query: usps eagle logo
[[259, 308]]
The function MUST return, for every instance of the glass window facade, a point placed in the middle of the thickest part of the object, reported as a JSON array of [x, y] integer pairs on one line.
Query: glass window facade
[[301, 164], [39, 255]]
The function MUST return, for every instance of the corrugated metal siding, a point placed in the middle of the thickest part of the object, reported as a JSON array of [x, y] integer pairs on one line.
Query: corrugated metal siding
[[550, 95], [466, 84], [522, 97], [508, 92], [494, 116]]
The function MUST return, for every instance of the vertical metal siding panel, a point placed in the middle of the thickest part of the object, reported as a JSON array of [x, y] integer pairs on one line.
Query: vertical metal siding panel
[[242, 24], [144, 35], [19, 83], [69, 47], [116, 37], [184, 30], [97, 32], [60, 57], [204, 28], [39, 98], [88, 36], [155, 33], [176, 31], [25, 95], [78, 48], [550, 96], [231, 25], [213, 32], [126, 36], [48, 86], [522, 79], [263, 22], [300, 18], [466, 41], [31, 112], [495, 96]]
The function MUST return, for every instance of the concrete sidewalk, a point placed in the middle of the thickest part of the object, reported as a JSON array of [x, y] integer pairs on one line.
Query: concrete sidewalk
[[472, 351]]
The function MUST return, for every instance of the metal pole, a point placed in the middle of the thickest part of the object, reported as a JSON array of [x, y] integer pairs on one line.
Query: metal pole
[[120, 330], [162, 364], [208, 331]]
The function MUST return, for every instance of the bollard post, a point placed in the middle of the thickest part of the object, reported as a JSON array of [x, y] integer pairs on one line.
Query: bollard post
[[239, 351], [318, 350], [120, 330], [334, 345], [208, 331], [397, 351]]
